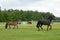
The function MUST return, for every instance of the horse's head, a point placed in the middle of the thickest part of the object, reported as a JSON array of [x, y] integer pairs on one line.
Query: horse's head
[[18, 21], [51, 18]]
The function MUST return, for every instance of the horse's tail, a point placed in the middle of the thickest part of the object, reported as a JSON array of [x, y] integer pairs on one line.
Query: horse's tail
[[6, 25], [37, 24]]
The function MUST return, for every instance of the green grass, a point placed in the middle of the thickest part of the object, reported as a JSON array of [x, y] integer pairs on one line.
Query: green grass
[[29, 32]]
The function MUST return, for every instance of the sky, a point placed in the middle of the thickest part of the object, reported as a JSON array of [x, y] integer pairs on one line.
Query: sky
[[52, 6]]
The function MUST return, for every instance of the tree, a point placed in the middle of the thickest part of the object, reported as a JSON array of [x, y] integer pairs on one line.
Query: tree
[[11, 15]]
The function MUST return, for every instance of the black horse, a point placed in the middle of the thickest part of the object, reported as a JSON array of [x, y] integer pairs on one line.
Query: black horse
[[45, 22]]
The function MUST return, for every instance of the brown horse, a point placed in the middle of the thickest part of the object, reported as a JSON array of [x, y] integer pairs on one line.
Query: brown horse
[[13, 23], [29, 22]]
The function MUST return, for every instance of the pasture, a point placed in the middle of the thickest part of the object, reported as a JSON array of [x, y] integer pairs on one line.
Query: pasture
[[29, 32]]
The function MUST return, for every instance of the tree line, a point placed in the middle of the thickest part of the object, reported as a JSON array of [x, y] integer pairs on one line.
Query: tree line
[[11, 15]]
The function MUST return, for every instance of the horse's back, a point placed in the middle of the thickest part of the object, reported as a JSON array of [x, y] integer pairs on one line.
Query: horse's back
[[44, 22], [11, 23]]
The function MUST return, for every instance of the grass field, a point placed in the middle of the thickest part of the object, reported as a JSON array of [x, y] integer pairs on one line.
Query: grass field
[[29, 32]]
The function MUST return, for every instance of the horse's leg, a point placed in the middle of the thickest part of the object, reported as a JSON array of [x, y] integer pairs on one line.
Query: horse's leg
[[38, 27], [47, 27], [50, 27], [41, 27], [17, 26], [9, 27]]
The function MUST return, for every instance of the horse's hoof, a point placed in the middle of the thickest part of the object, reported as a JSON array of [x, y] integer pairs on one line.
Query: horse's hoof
[[50, 28], [5, 28], [47, 30], [38, 30]]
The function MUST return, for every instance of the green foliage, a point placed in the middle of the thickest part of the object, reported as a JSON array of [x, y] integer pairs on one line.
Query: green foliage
[[8, 15]]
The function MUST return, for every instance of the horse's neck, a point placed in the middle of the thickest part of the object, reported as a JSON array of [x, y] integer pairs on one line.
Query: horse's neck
[[16, 21], [49, 20]]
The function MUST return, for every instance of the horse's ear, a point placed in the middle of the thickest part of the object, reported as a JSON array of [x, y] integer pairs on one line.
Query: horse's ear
[[49, 17], [53, 17]]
